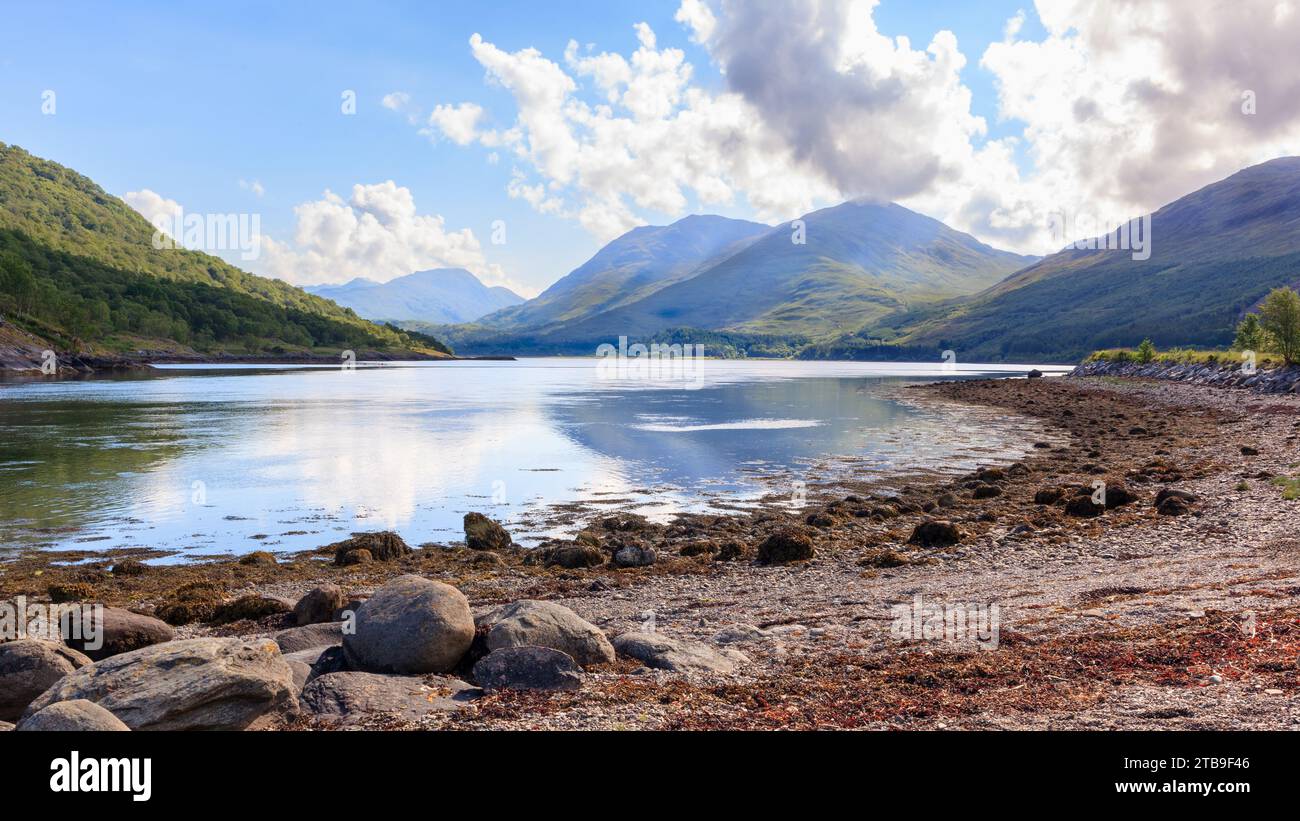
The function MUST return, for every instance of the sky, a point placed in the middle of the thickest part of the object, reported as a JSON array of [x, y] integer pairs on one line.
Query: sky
[[514, 139]]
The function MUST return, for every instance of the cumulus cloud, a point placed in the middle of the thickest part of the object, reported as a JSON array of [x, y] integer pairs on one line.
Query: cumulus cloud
[[376, 233], [1121, 106], [164, 213]]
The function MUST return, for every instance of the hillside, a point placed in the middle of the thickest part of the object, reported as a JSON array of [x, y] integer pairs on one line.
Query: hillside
[[630, 268], [859, 261], [438, 296], [1214, 254], [78, 268]]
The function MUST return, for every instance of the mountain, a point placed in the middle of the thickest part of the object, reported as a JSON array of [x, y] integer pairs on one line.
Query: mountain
[[632, 267], [78, 269], [438, 296], [857, 261], [1215, 253]]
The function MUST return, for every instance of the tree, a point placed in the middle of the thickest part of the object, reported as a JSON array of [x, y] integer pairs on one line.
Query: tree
[[1146, 351], [1280, 317], [1251, 336]]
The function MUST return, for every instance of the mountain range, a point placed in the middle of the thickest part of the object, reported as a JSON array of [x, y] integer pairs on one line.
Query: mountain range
[[830, 271], [1214, 254], [438, 296]]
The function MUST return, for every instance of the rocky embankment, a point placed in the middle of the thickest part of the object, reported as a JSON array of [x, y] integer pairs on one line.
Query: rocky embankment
[[1141, 555], [1217, 375]]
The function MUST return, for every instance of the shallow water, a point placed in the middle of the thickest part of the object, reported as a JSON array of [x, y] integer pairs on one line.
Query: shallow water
[[216, 460]]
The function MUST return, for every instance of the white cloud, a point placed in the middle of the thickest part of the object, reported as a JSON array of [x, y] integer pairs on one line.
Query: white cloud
[[1122, 106], [395, 100], [376, 233], [163, 213], [458, 122]]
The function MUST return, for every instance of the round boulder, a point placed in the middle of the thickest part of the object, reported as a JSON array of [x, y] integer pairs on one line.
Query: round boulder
[[546, 624], [29, 667], [115, 631], [527, 668], [78, 715], [411, 625], [319, 605]]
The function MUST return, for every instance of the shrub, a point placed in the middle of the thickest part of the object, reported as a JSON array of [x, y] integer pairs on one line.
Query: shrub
[[1280, 318], [1146, 351]]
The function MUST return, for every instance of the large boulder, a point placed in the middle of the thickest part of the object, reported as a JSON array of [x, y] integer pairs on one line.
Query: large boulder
[[527, 668], [382, 547], [481, 533], [305, 638], [78, 715], [319, 605], [350, 696], [789, 544], [546, 624], [677, 655], [29, 667], [118, 631], [193, 684], [411, 625]]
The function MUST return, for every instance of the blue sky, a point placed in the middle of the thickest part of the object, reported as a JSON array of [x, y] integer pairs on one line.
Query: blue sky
[[188, 99]]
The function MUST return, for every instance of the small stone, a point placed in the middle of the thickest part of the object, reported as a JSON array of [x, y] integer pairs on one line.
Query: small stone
[[634, 556], [935, 533]]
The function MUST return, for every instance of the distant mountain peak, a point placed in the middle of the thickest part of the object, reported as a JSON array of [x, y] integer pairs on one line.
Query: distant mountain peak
[[438, 296]]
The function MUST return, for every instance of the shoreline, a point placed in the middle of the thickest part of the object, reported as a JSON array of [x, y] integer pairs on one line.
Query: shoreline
[[1114, 620]]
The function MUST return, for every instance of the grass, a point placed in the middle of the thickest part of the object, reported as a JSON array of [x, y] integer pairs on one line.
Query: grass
[[1188, 356], [1290, 487]]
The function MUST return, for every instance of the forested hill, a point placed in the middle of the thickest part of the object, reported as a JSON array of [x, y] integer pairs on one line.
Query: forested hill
[[78, 267]]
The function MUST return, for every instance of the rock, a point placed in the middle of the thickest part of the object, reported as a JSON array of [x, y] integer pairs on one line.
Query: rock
[[1173, 506], [301, 673], [587, 537], [296, 639], [738, 634], [677, 655], [546, 624], [987, 491], [78, 715], [1083, 507], [319, 605], [120, 631], [527, 667], [947, 500], [356, 556], [1048, 496], [935, 533], [1246, 450], [383, 546], [29, 667], [1169, 492], [820, 520], [573, 556], [481, 533], [785, 545], [1119, 494], [411, 625], [731, 551], [700, 548], [252, 606], [129, 567], [258, 557], [350, 696], [193, 684], [71, 592], [1035, 374], [634, 556], [197, 601]]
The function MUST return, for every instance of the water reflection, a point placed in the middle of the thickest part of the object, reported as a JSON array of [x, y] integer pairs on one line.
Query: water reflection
[[221, 460]]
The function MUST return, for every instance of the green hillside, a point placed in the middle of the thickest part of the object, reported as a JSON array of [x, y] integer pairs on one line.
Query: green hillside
[[78, 267], [1214, 254]]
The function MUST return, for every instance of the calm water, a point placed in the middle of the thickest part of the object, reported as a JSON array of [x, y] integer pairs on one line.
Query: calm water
[[227, 460]]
